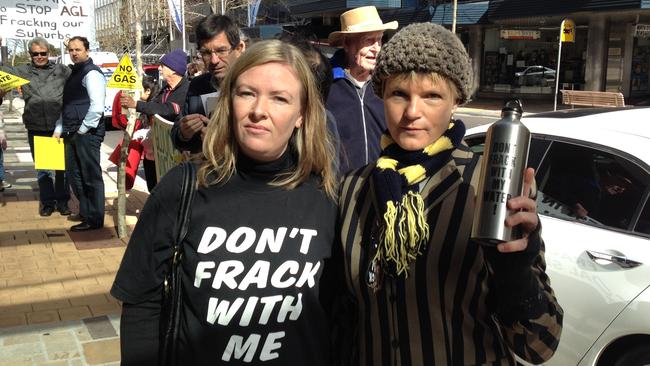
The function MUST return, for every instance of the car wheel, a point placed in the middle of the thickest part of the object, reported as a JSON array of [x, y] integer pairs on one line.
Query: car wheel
[[639, 356]]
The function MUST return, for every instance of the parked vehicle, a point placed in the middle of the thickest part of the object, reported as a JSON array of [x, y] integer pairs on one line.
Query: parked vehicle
[[535, 76], [593, 176]]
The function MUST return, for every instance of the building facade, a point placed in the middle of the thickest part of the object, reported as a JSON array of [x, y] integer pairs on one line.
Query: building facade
[[514, 43]]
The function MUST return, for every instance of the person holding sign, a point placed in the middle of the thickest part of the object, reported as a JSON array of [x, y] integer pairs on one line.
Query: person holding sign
[[43, 98], [262, 224], [83, 130], [419, 290], [167, 103], [220, 44]]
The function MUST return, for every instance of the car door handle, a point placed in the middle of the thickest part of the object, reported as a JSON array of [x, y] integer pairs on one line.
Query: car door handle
[[620, 260]]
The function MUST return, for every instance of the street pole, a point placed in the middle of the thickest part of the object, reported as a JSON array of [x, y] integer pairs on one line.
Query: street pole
[[183, 23], [223, 7], [557, 68], [453, 21]]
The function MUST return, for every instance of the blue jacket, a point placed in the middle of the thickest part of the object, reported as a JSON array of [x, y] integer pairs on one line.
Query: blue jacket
[[360, 121]]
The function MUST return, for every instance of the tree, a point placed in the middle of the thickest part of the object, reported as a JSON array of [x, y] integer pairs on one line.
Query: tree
[[122, 232]]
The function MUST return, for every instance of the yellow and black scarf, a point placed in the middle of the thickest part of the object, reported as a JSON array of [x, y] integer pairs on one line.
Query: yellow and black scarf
[[403, 226]]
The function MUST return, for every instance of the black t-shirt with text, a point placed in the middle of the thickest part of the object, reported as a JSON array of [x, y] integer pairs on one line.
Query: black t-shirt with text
[[254, 255]]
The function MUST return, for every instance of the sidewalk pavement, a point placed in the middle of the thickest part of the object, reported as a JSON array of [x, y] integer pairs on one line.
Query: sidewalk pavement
[[492, 106], [55, 306]]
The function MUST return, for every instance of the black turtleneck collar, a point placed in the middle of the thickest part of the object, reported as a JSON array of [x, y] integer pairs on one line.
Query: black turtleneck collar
[[254, 172]]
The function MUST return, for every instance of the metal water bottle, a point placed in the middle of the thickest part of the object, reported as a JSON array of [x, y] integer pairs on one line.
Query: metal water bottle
[[505, 157]]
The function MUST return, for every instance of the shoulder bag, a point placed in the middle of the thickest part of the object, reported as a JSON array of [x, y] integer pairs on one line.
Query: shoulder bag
[[172, 302]]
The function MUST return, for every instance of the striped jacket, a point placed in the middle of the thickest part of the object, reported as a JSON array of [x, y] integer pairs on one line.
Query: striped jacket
[[449, 310]]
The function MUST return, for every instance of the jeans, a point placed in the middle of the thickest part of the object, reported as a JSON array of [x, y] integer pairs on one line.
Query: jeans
[[52, 184], [85, 175], [2, 166]]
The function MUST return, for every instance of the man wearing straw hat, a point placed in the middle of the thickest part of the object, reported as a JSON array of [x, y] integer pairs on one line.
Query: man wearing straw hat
[[358, 111]]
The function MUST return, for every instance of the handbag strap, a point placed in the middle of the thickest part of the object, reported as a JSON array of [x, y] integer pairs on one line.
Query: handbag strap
[[187, 195]]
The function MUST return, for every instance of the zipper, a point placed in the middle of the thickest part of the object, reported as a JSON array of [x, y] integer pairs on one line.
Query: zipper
[[363, 120]]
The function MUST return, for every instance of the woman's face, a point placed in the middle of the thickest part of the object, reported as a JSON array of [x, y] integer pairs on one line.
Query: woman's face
[[267, 107], [418, 110]]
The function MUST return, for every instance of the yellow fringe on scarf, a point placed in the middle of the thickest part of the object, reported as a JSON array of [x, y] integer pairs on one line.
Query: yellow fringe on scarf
[[412, 232]]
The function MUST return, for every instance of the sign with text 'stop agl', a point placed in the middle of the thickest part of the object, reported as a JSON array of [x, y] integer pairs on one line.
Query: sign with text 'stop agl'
[[125, 76], [54, 20], [568, 31]]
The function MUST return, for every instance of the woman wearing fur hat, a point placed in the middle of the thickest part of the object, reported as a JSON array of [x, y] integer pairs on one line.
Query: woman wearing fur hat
[[421, 291]]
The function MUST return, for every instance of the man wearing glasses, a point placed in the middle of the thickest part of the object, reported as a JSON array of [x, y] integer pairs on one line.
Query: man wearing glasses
[[43, 99], [220, 44]]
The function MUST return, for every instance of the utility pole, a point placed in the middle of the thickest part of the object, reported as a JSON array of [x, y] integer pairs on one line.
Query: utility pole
[[453, 19]]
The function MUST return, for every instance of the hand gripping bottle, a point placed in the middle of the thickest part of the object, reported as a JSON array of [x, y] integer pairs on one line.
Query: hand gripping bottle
[[505, 157]]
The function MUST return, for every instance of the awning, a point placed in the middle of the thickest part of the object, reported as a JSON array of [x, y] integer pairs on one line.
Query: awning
[[466, 13]]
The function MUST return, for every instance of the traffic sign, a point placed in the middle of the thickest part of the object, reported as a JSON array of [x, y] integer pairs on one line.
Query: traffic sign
[[568, 31]]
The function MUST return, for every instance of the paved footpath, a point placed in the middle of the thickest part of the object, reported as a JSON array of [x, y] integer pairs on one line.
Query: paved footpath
[[55, 307]]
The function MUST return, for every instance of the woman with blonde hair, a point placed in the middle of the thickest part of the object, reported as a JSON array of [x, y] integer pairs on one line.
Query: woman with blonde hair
[[262, 224], [421, 291]]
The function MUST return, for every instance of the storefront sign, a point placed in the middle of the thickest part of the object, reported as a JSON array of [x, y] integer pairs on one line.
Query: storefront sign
[[53, 20], [642, 31], [519, 34], [568, 31]]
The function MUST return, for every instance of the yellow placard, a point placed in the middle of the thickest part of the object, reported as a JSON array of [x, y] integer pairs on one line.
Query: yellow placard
[[125, 76], [8, 81], [49, 153], [568, 31]]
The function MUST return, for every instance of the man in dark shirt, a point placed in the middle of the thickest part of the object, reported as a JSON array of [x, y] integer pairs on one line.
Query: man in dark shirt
[[169, 101], [220, 44]]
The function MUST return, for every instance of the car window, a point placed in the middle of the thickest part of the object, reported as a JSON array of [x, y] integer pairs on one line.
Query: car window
[[643, 225], [535, 153], [588, 185]]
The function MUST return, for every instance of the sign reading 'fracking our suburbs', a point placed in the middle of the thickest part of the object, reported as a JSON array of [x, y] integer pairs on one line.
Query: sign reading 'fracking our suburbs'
[[54, 20]]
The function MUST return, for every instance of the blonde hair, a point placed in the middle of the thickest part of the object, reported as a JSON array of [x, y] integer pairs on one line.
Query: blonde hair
[[311, 143]]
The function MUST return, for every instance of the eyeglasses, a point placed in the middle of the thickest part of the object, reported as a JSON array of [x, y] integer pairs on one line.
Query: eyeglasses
[[221, 52], [34, 54]]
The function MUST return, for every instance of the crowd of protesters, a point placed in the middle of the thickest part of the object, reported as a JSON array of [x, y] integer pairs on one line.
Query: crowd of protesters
[[332, 204]]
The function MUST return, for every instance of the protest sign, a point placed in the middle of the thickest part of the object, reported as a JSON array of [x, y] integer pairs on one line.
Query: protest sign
[[54, 20]]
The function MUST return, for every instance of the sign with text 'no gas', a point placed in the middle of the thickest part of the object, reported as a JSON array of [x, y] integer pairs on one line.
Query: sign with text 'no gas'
[[54, 20], [124, 76]]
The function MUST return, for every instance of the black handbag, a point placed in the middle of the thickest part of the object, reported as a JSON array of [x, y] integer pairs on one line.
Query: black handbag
[[172, 288]]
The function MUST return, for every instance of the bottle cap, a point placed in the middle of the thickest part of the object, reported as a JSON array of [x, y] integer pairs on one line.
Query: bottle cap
[[513, 105]]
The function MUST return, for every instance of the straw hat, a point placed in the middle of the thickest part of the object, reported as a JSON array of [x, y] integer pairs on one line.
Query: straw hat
[[360, 20]]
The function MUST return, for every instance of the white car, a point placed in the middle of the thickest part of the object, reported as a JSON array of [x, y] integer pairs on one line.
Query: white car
[[535, 75], [593, 176]]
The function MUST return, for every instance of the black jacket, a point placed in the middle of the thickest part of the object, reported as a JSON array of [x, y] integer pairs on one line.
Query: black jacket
[[167, 103], [360, 122], [198, 86]]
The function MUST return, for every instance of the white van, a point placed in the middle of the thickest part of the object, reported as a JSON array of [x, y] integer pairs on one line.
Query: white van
[[107, 62]]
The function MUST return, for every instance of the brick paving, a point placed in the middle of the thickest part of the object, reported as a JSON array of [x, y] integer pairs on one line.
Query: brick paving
[[55, 306]]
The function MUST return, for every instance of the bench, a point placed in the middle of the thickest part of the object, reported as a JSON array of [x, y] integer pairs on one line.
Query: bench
[[592, 98]]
